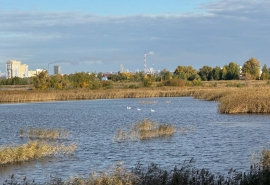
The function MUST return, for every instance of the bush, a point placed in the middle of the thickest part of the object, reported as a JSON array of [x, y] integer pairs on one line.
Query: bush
[[174, 82], [133, 86], [147, 82], [106, 84]]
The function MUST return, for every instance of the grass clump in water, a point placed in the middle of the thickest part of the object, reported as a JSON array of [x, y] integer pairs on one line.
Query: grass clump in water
[[145, 129], [40, 133], [31, 151]]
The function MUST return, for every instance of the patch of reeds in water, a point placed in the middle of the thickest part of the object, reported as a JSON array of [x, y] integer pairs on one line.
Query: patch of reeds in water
[[145, 129], [40, 133], [32, 150]]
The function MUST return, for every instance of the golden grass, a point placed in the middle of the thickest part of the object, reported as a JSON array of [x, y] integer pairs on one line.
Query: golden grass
[[238, 100], [145, 129], [31, 151], [265, 158], [233, 96], [40, 133], [114, 176]]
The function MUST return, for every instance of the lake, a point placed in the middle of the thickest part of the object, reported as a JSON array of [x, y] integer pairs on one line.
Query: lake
[[216, 141]]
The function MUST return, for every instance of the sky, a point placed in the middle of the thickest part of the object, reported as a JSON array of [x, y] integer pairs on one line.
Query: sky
[[100, 35]]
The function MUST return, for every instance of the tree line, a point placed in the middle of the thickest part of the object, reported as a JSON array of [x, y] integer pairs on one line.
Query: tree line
[[249, 71]]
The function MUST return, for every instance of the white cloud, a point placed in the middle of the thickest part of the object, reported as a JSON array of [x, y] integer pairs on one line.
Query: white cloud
[[230, 30]]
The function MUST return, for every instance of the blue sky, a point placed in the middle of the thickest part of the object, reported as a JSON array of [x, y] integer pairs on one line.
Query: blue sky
[[101, 35]]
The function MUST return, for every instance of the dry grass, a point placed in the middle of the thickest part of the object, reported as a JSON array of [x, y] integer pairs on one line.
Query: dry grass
[[114, 176], [265, 158], [238, 100], [31, 151], [234, 96], [40, 133], [145, 129]]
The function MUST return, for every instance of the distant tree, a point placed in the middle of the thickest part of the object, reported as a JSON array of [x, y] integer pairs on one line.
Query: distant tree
[[265, 73], [233, 71], [216, 73], [41, 80], [100, 75], [82, 79], [147, 81], [184, 72], [205, 73], [223, 73], [165, 75], [251, 68]]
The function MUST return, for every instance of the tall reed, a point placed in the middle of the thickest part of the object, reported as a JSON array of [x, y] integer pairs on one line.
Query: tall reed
[[145, 129], [31, 151]]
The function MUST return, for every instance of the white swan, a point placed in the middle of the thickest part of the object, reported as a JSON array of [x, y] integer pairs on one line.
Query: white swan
[[138, 109], [128, 107], [152, 110]]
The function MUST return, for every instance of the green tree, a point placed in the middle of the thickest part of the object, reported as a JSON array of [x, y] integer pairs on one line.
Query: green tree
[[184, 72], [265, 73], [100, 75], [205, 73], [251, 69], [233, 71], [216, 73], [165, 75], [82, 79], [41, 80], [223, 73]]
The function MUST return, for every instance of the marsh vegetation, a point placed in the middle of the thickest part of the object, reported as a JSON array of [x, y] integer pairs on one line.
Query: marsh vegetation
[[37, 147], [41, 133], [145, 129]]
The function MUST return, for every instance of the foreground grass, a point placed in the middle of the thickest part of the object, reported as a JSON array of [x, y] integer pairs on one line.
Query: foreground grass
[[154, 175], [32, 150], [145, 129]]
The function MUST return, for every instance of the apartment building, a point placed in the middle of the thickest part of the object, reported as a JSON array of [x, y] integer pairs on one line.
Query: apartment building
[[15, 68]]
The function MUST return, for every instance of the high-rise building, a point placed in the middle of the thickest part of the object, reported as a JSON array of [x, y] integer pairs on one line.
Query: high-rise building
[[57, 70], [15, 68]]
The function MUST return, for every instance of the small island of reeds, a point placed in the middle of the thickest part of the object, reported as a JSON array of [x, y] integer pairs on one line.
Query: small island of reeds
[[37, 146], [145, 129]]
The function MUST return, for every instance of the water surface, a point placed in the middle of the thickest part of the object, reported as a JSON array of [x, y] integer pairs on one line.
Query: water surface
[[216, 141]]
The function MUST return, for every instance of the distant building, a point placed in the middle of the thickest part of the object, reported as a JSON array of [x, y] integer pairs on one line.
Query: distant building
[[57, 70], [15, 68]]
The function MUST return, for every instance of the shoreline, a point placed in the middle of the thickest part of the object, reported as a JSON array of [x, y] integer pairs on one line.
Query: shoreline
[[232, 100]]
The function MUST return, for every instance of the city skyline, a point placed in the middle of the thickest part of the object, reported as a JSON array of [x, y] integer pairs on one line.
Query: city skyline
[[100, 36]]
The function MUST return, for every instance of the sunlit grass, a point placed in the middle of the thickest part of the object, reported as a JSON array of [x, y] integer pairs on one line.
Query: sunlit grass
[[244, 97], [32, 150], [116, 175], [145, 129]]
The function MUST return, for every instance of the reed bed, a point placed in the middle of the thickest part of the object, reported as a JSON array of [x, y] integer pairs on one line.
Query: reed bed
[[32, 150], [238, 100], [145, 129], [232, 100], [40, 133]]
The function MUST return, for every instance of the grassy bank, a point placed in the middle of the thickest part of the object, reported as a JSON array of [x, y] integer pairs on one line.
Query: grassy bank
[[233, 98]]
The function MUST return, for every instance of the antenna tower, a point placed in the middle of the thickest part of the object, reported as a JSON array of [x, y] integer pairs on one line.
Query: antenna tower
[[145, 67]]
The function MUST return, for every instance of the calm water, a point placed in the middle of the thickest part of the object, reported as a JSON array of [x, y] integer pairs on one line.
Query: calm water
[[216, 141]]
